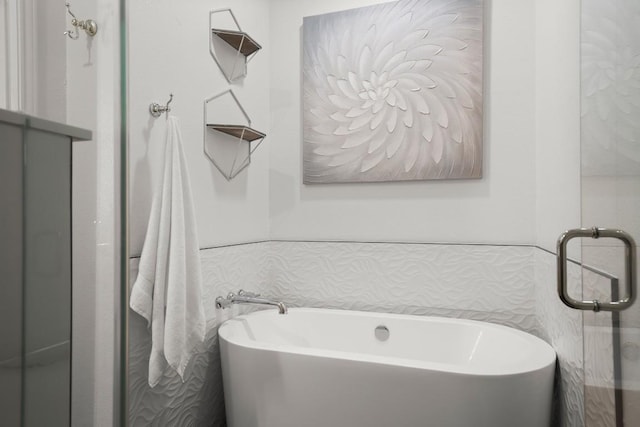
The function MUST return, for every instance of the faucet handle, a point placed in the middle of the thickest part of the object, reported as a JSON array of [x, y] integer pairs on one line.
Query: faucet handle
[[244, 293], [223, 302]]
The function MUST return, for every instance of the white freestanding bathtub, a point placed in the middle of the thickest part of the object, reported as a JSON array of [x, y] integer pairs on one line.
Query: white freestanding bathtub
[[320, 368]]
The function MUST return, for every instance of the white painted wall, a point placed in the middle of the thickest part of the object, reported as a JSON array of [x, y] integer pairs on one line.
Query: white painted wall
[[50, 75], [41, 67], [529, 191], [3, 56], [557, 117], [92, 99], [13, 54], [82, 85], [498, 208], [169, 53]]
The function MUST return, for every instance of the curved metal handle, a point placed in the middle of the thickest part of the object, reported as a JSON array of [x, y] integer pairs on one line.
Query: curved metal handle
[[596, 233]]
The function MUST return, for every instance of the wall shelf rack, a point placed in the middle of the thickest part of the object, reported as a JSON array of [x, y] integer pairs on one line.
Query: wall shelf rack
[[239, 40], [229, 46], [229, 146], [243, 132]]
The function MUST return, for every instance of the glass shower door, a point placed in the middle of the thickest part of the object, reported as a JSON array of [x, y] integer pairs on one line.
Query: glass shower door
[[610, 144]]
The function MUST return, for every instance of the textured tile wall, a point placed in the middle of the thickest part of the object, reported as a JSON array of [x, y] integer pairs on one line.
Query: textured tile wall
[[478, 281], [199, 400], [510, 285], [562, 328]]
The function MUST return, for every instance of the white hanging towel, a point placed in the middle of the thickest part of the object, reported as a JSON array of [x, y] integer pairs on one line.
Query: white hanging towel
[[168, 289]]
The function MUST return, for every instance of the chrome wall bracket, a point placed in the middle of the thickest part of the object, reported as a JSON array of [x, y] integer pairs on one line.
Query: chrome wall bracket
[[630, 283]]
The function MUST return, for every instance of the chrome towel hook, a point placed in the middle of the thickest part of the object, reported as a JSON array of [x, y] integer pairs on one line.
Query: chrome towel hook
[[89, 25], [156, 109]]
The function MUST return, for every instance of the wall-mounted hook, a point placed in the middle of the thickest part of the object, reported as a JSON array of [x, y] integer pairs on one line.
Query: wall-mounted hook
[[88, 25], [156, 109]]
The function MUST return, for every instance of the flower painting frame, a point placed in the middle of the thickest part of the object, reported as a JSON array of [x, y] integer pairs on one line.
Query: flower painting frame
[[394, 92]]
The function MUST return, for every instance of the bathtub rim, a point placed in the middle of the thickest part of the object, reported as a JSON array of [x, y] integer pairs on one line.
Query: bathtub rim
[[542, 362]]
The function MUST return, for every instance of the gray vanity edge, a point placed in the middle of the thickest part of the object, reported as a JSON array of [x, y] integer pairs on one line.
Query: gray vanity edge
[[21, 119], [12, 118]]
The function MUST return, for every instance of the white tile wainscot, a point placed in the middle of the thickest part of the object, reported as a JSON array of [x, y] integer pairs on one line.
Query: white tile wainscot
[[510, 285]]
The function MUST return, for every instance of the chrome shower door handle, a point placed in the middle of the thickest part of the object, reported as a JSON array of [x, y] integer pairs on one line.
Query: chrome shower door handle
[[630, 284]]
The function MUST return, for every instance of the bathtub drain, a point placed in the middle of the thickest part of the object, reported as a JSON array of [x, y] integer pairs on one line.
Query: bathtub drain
[[382, 333]]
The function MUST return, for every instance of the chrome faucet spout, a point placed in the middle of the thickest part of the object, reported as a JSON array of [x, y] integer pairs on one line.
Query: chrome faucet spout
[[243, 297]]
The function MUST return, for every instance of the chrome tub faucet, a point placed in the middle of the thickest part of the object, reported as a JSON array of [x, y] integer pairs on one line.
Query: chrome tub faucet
[[244, 297]]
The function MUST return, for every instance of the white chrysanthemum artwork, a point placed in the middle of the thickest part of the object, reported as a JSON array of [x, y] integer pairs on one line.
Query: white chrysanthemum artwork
[[393, 92]]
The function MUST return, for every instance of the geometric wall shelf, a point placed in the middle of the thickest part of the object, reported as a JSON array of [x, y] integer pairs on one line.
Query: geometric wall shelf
[[229, 46], [239, 40], [229, 139], [243, 132]]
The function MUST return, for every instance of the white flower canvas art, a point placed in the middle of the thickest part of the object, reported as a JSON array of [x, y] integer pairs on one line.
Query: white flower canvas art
[[393, 92]]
